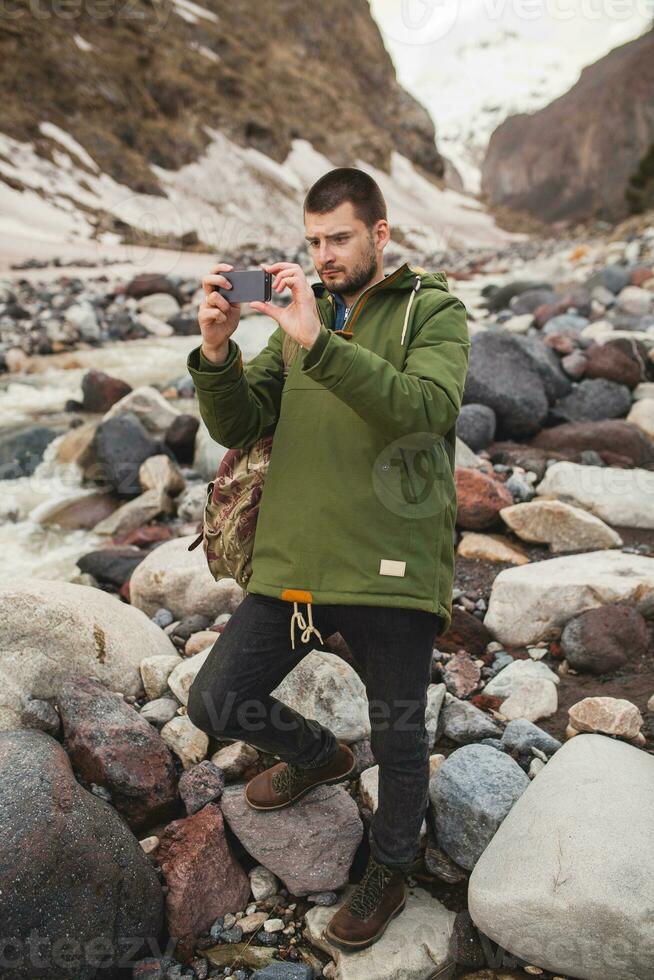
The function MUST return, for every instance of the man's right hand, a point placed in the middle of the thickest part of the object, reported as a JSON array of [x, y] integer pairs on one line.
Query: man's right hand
[[218, 318]]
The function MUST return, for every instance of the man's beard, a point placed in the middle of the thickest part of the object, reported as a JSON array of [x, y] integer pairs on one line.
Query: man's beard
[[358, 278]]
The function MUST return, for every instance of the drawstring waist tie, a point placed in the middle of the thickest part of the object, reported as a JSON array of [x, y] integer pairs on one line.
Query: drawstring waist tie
[[296, 596]]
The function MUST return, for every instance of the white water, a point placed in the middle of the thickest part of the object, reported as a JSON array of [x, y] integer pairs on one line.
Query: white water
[[34, 550]]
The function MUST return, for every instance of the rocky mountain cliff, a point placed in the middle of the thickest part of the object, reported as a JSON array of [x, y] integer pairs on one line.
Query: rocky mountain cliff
[[139, 87], [574, 158]]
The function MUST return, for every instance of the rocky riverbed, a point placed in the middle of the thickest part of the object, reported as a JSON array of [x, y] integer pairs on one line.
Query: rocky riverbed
[[127, 824]]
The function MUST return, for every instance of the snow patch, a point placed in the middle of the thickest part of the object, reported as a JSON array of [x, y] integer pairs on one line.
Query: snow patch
[[66, 140], [193, 13], [82, 44], [205, 52]]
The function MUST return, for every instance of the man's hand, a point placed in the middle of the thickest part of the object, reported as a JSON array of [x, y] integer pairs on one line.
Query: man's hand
[[218, 318], [300, 319]]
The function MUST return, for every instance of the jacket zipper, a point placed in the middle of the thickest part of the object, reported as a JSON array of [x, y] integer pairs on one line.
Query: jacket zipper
[[356, 307]]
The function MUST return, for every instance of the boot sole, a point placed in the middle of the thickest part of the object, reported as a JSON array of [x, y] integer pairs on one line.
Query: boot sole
[[322, 782], [352, 946]]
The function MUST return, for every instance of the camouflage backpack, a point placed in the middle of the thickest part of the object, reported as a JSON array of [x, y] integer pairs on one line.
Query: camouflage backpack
[[232, 504]]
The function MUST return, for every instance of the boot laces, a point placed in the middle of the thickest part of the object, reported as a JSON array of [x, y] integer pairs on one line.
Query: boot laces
[[368, 893], [287, 780]]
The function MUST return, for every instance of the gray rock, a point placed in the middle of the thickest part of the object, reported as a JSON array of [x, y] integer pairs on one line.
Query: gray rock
[[120, 446], [502, 376], [22, 451], [476, 426], [612, 277], [531, 299], [41, 715], [462, 722], [471, 794], [500, 297], [547, 364], [160, 711], [279, 970], [568, 324], [518, 738], [567, 882], [593, 400]]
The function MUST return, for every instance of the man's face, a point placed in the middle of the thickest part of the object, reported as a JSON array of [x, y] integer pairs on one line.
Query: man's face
[[343, 249]]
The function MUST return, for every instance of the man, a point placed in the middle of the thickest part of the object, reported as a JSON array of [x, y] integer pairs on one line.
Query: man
[[355, 521]]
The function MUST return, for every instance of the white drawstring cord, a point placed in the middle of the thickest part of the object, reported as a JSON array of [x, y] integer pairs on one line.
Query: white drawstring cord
[[307, 628], [415, 289]]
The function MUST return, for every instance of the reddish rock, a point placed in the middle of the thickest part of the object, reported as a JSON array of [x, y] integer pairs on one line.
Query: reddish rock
[[144, 536], [548, 310], [641, 274], [200, 785], [100, 391], [609, 361], [466, 632], [613, 439], [602, 640], [479, 499], [560, 342], [110, 744], [461, 675], [486, 702], [204, 880]]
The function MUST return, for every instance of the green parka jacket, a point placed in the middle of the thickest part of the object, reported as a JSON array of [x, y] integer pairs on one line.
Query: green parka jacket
[[359, 501]]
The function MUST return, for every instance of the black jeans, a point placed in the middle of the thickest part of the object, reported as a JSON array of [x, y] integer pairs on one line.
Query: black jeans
[[230, 698]]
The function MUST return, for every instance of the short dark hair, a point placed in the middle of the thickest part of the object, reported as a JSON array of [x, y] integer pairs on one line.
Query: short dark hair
[[347, 184]]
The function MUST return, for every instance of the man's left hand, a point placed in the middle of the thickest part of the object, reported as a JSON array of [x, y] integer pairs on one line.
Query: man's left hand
[[300, 319]]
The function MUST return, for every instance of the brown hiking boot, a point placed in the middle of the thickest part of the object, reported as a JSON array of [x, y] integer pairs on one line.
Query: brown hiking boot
[[285, 783], [362, 920]]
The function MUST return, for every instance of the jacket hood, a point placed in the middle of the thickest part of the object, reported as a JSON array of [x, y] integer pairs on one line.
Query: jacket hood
[[403, 279], [407, 279]]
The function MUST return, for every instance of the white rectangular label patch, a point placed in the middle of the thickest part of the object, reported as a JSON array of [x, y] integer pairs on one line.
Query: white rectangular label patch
[[388, 567]]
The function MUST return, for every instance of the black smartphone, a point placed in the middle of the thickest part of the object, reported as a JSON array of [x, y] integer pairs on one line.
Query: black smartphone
[[247, 285]]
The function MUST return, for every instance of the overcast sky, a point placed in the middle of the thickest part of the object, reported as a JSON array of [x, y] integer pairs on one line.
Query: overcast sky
[[472, 62]]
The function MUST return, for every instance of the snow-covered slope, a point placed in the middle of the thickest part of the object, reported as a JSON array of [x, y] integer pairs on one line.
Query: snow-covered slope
[[474, 63], [232, 198]]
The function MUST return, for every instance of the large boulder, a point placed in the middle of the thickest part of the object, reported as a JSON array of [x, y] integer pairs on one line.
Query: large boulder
[[22, 451], [51, 631], [530, 603], [149, 406], [567, 882], [72, 874], [504, 377], [175, 578], [619, 497]]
